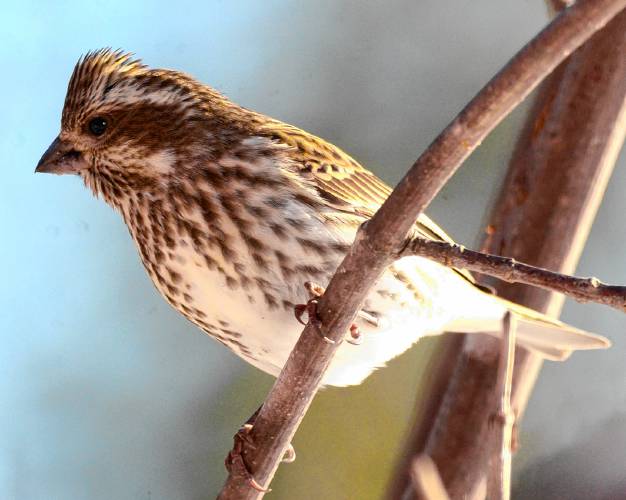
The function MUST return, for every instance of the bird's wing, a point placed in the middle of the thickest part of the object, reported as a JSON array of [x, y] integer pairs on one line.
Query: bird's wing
[[343, 183]]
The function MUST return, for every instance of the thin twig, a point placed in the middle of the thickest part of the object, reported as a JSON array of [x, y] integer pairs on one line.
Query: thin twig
[[426, 479], [509, 270], [379, 241], [499, 477]]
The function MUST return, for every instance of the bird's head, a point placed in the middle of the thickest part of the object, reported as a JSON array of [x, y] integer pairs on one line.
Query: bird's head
[[127, 127]]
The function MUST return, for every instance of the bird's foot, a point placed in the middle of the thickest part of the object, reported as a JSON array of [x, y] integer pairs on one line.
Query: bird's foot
[[311, 310], [315, 292], [356, 338], [235, 463]]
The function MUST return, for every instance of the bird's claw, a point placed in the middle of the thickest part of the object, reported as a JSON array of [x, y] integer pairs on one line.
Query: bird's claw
[[235, 463], [316, 291], [356, 338], [311, 310], [290, 455]]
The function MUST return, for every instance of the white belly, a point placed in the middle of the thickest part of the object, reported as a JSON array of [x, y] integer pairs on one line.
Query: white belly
[[265, 336]]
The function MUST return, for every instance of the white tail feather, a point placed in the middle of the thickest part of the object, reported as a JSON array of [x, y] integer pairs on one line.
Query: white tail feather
[[537, 332]]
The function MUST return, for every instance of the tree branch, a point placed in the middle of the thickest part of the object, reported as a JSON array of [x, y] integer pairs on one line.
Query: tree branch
[[380, 239], [511, 271], [557, 175]]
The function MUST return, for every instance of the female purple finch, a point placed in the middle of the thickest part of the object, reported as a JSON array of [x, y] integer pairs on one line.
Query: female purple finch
[[232, 211]]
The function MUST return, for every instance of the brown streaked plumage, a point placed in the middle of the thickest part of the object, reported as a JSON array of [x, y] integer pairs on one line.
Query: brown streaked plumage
[[232, 211]]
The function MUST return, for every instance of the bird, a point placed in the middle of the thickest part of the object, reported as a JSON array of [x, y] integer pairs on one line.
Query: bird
[[232, 212]]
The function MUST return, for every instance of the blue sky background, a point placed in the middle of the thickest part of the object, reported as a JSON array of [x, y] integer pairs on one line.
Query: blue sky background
[[105, 392]]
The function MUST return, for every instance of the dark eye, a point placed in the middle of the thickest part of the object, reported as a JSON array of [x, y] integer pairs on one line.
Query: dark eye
[[97, 125]]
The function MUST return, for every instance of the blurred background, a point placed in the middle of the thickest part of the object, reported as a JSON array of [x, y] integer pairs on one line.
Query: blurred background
[[105, 392]]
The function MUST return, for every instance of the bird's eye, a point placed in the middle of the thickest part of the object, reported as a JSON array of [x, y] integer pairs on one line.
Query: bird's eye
[[97, 126]]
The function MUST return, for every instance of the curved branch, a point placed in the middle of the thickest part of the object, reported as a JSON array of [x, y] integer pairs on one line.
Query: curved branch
[[557, 175]]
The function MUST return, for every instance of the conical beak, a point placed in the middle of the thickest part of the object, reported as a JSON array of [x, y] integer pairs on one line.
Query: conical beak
[[61, 158]]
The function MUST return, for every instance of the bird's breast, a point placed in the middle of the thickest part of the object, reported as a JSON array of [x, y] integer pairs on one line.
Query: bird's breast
[[235, 274]]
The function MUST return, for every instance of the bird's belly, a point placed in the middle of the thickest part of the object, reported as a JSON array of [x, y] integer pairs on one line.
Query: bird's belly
[[254, 316]]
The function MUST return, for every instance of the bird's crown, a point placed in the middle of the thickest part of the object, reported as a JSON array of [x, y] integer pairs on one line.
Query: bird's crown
[[99, 77]]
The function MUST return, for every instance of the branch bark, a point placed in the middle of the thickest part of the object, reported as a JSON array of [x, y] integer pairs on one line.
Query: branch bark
[[380, 239], [556, 180], [511, 271]]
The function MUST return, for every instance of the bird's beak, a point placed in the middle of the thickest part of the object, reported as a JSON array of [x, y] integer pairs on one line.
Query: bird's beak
[[61, 158]]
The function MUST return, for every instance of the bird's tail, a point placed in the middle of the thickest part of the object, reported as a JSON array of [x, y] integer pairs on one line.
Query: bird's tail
[[541, 334]]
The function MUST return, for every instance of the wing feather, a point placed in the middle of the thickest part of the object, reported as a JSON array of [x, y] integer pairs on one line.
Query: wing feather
[[342, 181]]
